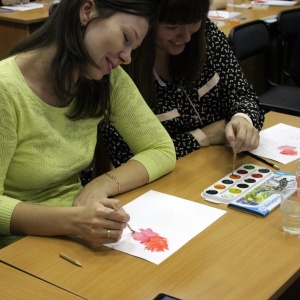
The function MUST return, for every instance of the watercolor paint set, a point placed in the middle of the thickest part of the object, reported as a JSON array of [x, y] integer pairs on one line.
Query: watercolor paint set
[[235, 184], [250, 188]]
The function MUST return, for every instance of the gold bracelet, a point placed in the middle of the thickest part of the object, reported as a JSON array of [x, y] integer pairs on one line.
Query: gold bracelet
[[115, 180]]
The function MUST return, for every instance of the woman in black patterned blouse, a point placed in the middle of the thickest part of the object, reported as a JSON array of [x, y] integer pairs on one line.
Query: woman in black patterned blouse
[[190, 78]]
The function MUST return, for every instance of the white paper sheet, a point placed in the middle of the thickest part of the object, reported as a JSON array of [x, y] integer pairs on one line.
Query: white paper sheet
[[222, 14], [23, 7], [174, 219], [280, 143]]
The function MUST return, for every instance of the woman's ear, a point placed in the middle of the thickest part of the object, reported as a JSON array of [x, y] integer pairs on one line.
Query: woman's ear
[[86, 11]]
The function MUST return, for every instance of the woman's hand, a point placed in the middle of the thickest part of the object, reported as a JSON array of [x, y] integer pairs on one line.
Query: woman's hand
[[215, 132], [101, 221], [97, 189], [241, 135]]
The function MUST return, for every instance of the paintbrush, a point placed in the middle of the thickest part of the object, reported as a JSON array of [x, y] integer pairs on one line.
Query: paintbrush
[[133, 231], [233, 163], [130, 228], [234, 153]]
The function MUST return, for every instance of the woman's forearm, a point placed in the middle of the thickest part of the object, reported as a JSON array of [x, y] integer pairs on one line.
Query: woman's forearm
[[99, 221], [32, 219], [129, 176]]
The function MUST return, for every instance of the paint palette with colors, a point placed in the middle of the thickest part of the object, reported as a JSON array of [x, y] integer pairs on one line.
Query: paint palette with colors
[[233, 186]]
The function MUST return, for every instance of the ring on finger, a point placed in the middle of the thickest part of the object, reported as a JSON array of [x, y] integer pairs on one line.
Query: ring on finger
[[108, 233]]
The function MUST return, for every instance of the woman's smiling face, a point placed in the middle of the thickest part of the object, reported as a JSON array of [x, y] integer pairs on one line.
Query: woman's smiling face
[[173, 38], [109, 41]]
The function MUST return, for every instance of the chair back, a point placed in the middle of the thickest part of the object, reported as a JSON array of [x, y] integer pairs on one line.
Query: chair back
[[288, 25], [52, 8], [249, 40]]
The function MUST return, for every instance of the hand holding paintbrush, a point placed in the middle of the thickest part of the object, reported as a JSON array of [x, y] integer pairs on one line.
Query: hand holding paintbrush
[[114, 207]]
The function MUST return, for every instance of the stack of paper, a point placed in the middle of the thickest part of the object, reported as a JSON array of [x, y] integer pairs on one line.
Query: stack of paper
[[222, 14], [24, 7]]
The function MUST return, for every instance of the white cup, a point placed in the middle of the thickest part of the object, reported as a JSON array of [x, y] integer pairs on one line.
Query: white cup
[[290, 210]]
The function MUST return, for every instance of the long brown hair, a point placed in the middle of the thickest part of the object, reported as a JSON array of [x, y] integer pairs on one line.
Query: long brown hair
[[64, 31]]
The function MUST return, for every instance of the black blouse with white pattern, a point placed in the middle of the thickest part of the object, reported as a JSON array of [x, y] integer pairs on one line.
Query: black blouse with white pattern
[[220, 100]]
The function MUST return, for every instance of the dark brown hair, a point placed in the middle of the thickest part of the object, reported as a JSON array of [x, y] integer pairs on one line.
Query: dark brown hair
[[186, 65], [64, 31]]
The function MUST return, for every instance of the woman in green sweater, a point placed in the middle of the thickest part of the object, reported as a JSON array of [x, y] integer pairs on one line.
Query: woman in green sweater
[[55, 88]]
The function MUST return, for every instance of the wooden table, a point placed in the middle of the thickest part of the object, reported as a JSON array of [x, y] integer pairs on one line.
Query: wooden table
[[15, 284], [17, 25], [240, 256]]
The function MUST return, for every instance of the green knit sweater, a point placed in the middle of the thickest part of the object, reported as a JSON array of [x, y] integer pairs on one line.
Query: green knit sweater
[[42, 151]]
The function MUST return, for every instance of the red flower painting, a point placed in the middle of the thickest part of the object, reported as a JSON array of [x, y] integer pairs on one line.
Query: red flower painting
[[288, 150], [152, 240]]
